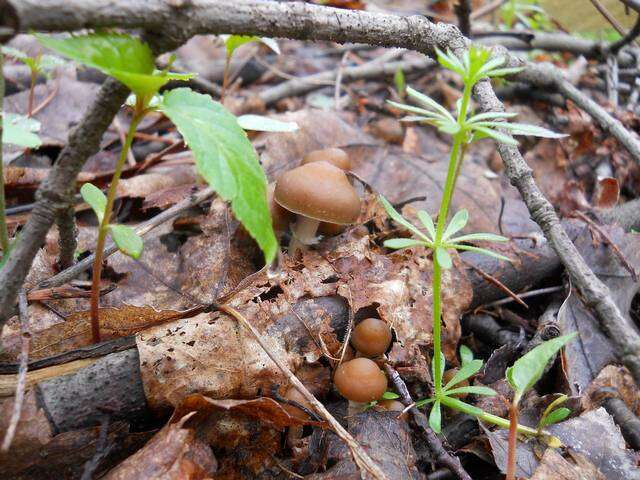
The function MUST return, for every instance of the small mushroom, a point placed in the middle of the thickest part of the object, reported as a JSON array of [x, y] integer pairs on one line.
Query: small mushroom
[[371, 337], [281, 218], [391, 405], [335, 156], [360, 380], [316, 192]]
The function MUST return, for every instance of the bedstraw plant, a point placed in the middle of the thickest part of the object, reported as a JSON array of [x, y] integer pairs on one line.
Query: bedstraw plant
[[465, 127]]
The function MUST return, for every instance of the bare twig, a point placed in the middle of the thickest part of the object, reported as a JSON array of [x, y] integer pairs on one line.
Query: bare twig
[[142, 229], [608, 16], [463, 12], [490, 278], [18, 399], [361, 458], [102, 449], [631, 35], [67, 242], [487, 9], [442, 456]]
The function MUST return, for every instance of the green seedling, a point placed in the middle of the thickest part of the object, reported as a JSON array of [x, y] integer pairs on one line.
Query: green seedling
[[38, 65], [442, 237], [526, 12], [522, 376], [232, 43], [16, 130], [224, 156], [400, 83]]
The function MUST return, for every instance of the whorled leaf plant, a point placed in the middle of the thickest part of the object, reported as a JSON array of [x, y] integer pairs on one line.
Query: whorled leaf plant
[[465, 127], [224, 156]]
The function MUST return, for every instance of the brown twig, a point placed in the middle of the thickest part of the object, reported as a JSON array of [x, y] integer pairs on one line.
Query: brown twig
[[463, 12], [608, 16], [605, 236], [441, 455], [361, 458], [497, 283], [22, 372], [67, 237], [102, 449]]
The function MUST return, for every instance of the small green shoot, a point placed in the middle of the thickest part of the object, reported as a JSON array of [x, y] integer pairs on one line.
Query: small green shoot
[[400, 83], [465, 126], [526, 12], [552, 414]]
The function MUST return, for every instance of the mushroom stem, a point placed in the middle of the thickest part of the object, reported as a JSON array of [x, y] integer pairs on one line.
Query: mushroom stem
[[304, 233]]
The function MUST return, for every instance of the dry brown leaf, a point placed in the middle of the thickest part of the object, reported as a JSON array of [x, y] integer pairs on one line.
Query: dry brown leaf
[[555, 467], [174, 453]]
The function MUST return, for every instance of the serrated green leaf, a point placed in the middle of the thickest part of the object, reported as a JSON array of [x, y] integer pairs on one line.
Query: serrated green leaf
[[399, 219], [261, 123], [443, 258], [127, 240], [123, 57], [226, 160], [20, 130], [555, 417], [95, 198], [466, 355], [398, 243], [483, 251], [435, 417], [390, 396], [528, 369], [466, 370], [472, 389], [457, 223], [471, 237], [427, 221]]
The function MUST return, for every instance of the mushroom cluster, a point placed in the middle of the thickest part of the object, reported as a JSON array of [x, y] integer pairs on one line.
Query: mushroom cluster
[[361, 380], [314, 198]]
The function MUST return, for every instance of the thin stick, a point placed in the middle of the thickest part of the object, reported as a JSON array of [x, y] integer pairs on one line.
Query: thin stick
[[531, 293], [361, 458], [490, 278], [142, 229], [513, 440], [442, 456], [608, 17], [4, 233], [22, 372]]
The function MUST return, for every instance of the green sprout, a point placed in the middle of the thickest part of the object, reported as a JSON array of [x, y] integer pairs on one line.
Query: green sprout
[[526, 12], [465, 127]]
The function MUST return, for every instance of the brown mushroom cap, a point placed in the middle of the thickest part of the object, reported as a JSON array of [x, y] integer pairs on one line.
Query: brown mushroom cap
[[319, 191], [280, 217], [296, 396], [360, 380], [448, 375], [335, 156], [371, 337], [391, 405], [330, 229]]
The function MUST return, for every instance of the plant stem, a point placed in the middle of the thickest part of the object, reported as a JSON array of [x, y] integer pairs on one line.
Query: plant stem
[[225, 77], [513, 439], [104, 225], [455, 160], [32, 91], [4, 233]]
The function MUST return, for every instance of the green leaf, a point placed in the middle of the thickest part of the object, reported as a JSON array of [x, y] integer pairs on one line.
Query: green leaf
[[460, 406], [424, 401], [554, 417], [466, 355], [20, 130], [528, 369], [400, 220], [483, 251], [450, 62], [481, 117], [399, 80], [225, 159], [430, 102], [467, 370], [418, 110], [95, 198], [443, 258], [398, 243], [472, 389], [457, 223], [435, 417], [233, 42], [127, 240], [498, 136], [504, 72], [260, 123], [490, 237], [443, 363], [533, 130], [123, 57], [390, 396], [427, 221]]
